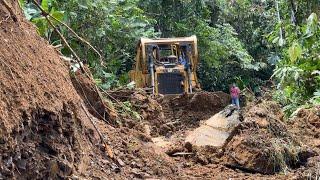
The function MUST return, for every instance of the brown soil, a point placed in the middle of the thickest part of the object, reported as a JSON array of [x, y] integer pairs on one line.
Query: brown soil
[[262, 142], [91, 95], [261, 146], [186, 111], [46, 129]]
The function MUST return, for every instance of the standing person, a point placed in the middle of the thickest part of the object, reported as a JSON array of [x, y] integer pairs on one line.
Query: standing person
[[235, 94]]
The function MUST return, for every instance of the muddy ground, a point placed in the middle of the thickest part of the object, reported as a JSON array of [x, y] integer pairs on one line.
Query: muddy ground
[[50, 122], [261, 142]]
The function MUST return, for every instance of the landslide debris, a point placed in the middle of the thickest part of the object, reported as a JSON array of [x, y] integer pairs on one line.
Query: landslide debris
[[186, 111], [253, 142], [167, 115], [45, 131], [46, 134], [42, 125], [262, 142]]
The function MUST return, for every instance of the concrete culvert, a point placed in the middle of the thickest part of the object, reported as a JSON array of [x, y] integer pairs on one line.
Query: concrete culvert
[[215, 130]]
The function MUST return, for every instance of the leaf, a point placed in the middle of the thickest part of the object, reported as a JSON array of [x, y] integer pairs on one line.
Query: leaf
[[295, 52], [31, 11], [57, 14], [316, 72], [296, 76], [312, 19], [45, 5], [73, 14], [275, 40], [22, 3], [312, 24], [281, 42], [83, 6]]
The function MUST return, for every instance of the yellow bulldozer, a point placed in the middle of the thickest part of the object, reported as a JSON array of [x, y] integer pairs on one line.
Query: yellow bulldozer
[[166, 65]]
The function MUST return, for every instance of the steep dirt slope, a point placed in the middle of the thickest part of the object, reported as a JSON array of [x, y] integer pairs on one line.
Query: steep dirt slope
[[41, 119], [45, 129]]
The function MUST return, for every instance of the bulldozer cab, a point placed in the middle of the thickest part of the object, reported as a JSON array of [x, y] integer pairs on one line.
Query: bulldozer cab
[[166, 65]]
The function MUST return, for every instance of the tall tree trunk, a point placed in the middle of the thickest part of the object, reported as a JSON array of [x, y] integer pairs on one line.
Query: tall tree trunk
[[293, 12], [281, 41]]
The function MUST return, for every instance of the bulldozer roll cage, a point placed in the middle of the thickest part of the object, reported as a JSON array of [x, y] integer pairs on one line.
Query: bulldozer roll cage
[[166, 65]]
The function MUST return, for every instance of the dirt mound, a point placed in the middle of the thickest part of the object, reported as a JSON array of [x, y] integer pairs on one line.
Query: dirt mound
[[165, 115], [92, 97], [306, 123], [305, 127], [45, 129], [186, 111], [135, 157], [208, 102], [42, 127], [262, 142]]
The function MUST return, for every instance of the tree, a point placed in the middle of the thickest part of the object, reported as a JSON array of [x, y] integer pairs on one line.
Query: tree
[[297, 72]]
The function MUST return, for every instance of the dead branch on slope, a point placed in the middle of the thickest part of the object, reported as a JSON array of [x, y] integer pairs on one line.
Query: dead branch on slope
[[12, 14], [46, 14]]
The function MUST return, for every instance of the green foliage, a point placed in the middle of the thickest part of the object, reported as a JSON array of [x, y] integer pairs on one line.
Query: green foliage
[[126, 109], [239, 41], [113, 27], [223, 56], [297, 72], [295, 52], [33, 14]]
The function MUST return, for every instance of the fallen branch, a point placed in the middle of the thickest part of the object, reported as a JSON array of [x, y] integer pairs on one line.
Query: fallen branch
[[12, 14], [67, 44], [80, 38], [46, 14], [87, 100], [81, 67], [182, 154], [102, 138], [61, 36]]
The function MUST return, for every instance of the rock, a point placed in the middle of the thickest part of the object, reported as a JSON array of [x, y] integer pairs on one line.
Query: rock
[[144, 137], [137, 173], [262, 123], [121, 163], [53, 168], [22, 164], [104, 161], [140, 97], [147, 129], [263, 144], [188, 146], [66, 168], [74, 177]]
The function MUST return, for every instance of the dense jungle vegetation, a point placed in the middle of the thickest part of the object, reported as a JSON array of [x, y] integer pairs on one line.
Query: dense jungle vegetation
[[246, 41]]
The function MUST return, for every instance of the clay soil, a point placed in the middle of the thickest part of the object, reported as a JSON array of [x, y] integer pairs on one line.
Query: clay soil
[[49, 120]]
